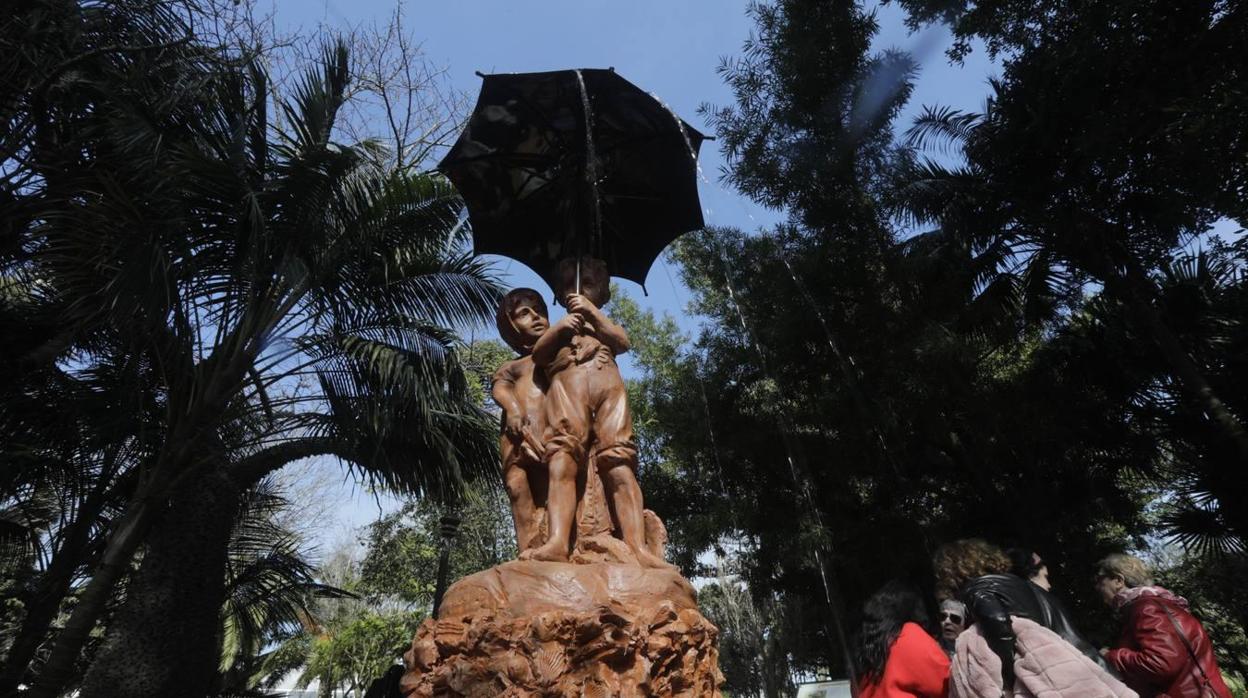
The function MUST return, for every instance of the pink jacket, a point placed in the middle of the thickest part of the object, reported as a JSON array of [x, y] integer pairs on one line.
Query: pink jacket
[[1045, 666]]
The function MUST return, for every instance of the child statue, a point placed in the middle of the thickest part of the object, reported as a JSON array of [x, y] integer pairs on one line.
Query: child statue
[[586, 407], [518, 390]]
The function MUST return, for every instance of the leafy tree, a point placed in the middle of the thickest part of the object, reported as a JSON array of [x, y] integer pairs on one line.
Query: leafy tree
[[481, 358], [343, 642], [870, 392], [1213, 586], [402, 548], [753, 639], [1101, 160], [359, 651], [347, 642]]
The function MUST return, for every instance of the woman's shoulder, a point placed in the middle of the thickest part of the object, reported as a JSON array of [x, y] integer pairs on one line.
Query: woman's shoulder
[[913, 634], [916, 648], [910, 628]]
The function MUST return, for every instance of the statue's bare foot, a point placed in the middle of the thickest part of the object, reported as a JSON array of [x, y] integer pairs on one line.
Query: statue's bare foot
[[551, 551]]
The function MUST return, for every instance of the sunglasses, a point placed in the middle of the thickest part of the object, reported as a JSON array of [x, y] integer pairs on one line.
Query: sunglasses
[[951, 616]]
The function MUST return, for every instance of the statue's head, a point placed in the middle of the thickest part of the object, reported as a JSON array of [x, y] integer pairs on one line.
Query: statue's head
[[595, 280], [522, 318]]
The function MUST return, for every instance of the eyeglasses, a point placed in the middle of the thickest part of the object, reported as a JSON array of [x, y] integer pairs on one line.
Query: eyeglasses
[[944, 615]]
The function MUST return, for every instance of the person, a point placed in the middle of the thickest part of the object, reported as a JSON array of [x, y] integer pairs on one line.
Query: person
[[953, 622], [894, 657], [1044, 665], [977, 573], [586, 405], [517, 389], [1028, 564], [1163, 650]]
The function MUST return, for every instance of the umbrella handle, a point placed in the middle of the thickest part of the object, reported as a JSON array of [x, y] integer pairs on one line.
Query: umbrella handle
[[578, 275]]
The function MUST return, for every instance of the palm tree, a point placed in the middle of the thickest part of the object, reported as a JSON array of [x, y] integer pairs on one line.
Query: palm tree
[[271, 294], [1203, 296]]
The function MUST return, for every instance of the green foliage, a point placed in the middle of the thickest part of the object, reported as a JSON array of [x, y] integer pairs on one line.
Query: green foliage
[[271, 589], [757, 638], [360, 650], [1101, 155], [480, 360], [1213, 585], [654, 344], [402, 548], [348, 642]]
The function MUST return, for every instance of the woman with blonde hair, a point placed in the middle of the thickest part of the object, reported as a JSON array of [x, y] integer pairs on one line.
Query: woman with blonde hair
[[1163, 651], [978, 573]]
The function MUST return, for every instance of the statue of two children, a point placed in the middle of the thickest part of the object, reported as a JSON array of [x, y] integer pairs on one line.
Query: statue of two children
[[565, 407]]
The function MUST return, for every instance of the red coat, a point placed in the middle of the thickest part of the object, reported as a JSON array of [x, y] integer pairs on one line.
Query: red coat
[[916, 668], [1152, 657]]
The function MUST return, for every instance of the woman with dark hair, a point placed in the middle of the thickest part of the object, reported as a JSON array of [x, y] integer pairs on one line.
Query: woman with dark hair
[[893, 655], [1028, 564]]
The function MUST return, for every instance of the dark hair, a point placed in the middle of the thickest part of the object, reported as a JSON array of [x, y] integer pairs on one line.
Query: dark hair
[[1023, 562], [894, 605]]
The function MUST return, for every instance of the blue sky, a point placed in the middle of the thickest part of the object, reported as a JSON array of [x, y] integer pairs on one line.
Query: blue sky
[[668, 47]]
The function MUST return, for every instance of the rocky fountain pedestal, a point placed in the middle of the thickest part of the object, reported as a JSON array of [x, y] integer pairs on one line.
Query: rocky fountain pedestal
[[559, 629], [598, 625]]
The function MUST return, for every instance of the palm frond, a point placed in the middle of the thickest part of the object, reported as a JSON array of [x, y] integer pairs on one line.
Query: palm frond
[[318, 96], [929, 191], [1202, 528], [942, 127], [269, 586]]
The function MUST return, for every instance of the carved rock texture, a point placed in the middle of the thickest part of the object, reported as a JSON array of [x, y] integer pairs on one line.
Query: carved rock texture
[[558, 629]]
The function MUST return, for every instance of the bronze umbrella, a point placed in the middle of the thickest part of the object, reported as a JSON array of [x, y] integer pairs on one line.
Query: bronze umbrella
[[575, 162]]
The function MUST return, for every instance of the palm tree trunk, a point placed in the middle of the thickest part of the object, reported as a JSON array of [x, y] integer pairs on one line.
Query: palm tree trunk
[[44, 601], [165, 639], [58, 671], [1190, 377]]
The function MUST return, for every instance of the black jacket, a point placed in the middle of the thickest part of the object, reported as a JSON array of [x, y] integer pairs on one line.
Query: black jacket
[[993, 598]]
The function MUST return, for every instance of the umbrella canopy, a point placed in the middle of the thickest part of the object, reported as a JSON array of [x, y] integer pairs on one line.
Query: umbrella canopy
[[575, 162]]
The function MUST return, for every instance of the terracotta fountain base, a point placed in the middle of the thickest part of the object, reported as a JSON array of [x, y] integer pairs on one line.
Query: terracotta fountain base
[[530, 628]]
